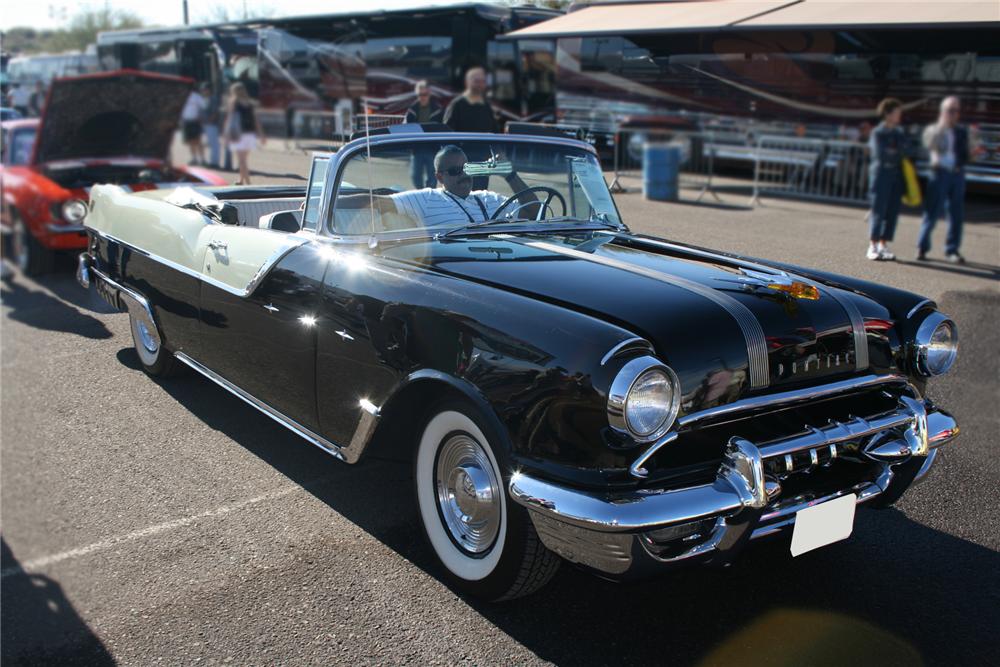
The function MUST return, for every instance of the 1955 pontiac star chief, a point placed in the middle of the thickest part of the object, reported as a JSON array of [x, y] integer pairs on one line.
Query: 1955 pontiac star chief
[[567, 389]]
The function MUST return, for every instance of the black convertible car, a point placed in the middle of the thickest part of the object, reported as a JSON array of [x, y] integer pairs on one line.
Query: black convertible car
[[566, 389]]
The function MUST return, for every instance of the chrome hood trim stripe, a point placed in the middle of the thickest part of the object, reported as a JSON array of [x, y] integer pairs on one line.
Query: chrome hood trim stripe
[[858, 332], [753, 333]]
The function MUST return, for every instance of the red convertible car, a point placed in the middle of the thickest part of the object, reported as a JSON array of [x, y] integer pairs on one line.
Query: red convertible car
[[113, 127]]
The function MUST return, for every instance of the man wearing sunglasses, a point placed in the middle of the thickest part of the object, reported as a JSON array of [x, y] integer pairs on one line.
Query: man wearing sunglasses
[[455, 201], [947, 142]]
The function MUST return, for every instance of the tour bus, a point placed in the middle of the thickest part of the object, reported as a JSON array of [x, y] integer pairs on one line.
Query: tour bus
[[317, 72], [786, 72], [217, 55], [28, 70]]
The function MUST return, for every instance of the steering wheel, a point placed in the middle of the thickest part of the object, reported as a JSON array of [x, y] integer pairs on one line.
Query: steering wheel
[[553, 194]]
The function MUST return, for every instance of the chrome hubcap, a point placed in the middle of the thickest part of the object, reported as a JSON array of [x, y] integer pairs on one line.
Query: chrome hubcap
[[145, 337], [468, 494]]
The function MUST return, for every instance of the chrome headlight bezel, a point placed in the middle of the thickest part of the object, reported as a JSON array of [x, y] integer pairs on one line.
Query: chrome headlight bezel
[[621, 388], [924, 349], [74, 210]]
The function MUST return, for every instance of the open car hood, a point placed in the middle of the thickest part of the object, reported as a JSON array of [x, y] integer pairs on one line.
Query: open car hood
[[111, 114]]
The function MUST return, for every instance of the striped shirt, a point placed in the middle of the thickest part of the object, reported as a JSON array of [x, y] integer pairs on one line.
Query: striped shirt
[[435, 206]]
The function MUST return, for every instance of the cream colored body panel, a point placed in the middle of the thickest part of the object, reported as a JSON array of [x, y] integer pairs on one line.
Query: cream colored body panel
[[226, 255]]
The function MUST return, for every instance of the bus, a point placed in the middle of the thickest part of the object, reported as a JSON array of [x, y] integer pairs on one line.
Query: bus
[[216, 55], [317, 72], [43, 67], [821, 83]]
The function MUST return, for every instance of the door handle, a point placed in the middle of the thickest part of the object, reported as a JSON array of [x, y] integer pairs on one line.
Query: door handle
[[217, 245]]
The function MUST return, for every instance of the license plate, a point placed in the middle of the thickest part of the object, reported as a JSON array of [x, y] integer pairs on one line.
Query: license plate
[[823, 524]]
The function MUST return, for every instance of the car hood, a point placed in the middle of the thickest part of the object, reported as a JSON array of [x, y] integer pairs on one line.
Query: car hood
[[123, 113], [711, 317]]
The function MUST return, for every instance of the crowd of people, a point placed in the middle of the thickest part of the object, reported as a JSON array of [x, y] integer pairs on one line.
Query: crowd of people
[[227, 126], [949, 148]]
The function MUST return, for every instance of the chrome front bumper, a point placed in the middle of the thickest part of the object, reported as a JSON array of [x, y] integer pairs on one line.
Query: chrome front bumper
[[626, 534]]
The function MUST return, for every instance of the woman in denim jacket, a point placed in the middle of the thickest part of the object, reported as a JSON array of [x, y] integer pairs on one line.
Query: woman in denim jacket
[[885, 178]]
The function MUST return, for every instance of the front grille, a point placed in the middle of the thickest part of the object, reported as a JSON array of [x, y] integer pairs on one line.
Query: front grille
[[847, 419]]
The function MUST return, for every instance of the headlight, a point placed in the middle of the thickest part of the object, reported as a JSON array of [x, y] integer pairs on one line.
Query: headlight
[[936, 345], [74, 210], [644, 399]]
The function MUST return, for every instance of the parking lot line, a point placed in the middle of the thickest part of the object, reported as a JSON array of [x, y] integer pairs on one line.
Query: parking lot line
[[45, 561]]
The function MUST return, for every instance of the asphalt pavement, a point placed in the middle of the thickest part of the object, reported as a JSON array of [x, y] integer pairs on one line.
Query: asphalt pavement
[[166, 522]]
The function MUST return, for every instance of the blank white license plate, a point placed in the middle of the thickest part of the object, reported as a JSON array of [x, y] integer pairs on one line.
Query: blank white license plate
[[823, 524]]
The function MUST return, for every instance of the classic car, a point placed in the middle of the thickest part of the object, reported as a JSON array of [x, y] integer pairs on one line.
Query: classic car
[[566, 389], [98, 128]]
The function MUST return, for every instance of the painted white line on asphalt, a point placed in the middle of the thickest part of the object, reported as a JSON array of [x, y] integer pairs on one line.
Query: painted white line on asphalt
[[45, 561]]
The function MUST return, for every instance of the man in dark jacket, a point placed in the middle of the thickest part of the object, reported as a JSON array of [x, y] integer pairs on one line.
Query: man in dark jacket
[[947, 142], [424, 110], [471, 112]]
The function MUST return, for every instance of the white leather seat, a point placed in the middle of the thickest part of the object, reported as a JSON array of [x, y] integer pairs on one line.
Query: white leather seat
[[251, 210]]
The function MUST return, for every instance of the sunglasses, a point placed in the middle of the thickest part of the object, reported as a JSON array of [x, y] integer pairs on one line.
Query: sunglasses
[[424, 94], [454, 171], [951, 110]]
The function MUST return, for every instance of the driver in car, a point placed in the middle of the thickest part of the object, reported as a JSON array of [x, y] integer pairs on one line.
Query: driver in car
[[455, 197]]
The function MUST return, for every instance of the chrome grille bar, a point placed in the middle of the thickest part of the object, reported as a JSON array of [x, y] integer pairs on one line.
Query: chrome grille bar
[[837, 432]]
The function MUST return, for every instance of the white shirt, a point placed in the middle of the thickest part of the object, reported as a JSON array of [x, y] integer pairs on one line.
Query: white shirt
[[20, 96], [435, 206], [193, 107], [946, 158]]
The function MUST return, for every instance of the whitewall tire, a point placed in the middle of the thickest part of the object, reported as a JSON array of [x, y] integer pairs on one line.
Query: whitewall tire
[[155, 359], [485, 543]]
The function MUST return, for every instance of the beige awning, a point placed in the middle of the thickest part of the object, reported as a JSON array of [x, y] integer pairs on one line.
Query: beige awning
[[814, 14], [646, 17], [702, 15]]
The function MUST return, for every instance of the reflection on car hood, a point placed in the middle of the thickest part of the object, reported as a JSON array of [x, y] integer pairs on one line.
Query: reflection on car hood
[[682, 301], [111, 114]]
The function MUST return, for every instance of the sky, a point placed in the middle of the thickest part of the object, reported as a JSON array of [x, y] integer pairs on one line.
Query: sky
[[56, 13]]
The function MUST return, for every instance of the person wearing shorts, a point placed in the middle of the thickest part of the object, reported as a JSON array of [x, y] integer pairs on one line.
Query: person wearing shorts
[[191, 128], [243, 129]]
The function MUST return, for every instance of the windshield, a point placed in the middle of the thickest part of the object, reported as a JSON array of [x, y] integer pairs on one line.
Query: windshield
[[21, 144], [448, 185]]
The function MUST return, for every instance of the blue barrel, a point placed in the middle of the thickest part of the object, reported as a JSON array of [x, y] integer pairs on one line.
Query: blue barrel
[[661, 166]]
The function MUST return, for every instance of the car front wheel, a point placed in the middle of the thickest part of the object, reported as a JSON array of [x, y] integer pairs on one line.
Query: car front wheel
[[31, 257], [486, 544]]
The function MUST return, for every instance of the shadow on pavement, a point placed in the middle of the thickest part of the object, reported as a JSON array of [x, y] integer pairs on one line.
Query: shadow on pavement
[[39, 625], [41, 310], [897, 592], [973, 269]]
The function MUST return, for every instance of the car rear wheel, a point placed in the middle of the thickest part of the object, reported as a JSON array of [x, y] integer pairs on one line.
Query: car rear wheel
[[486, 544], [28, 254], [155, 359]]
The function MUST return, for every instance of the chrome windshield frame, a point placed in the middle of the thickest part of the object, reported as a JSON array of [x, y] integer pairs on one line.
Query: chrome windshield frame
[[338, 161]]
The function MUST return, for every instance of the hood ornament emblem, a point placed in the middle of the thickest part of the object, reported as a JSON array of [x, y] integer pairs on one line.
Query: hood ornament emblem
[[779, 282]]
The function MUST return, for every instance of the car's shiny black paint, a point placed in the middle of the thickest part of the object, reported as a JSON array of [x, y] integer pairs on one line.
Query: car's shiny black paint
[[261, 343], [517, 329]]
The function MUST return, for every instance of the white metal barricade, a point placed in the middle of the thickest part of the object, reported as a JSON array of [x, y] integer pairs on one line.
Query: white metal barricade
[[823, 169]]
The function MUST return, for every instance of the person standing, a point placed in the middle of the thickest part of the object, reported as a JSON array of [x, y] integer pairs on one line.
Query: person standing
[[210, 123], [885, 178], [38, 99], [471, 112], [243, 129], [20, 99], [424, 110], [191, 116], [947, 142]]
